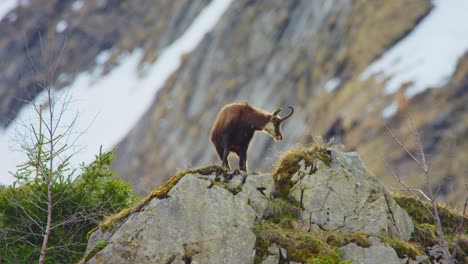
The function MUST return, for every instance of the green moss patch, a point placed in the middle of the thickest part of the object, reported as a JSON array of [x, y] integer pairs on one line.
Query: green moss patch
[[425, 227], [93, 251], [281, 209], [404, 248], [282, 228], [450, 218], [289, 164], [301, 247]]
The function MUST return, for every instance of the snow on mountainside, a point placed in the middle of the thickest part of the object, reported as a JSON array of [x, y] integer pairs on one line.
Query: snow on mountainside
[[6, 6], [349, 68], [101, 101], [428, 56]]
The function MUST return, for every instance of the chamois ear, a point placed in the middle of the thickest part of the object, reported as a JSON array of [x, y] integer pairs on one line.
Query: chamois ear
[[276, 111]]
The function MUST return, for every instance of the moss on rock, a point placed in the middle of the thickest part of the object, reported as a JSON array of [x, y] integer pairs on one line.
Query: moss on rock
[[289, 164], [426, 233], [160, 193], [93, 251]]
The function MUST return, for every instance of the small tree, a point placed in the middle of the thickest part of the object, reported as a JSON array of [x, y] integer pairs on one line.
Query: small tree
[[50, 208], [420, 158]]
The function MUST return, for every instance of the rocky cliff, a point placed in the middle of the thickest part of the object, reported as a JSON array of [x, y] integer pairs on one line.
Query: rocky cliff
[[318, 205], [308, 54], [280, 53], [51, 41]]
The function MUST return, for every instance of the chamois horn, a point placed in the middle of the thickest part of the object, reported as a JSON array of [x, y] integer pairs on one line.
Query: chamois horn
[[286, 117]]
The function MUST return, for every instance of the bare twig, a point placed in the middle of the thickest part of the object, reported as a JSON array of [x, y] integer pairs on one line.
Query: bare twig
[[425, 168]]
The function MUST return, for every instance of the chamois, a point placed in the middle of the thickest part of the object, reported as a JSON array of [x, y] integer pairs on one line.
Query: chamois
[[235, 126]]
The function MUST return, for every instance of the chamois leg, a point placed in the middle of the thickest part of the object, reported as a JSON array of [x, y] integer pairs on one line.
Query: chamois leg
[[226, 151], [220, 152], [225, 159], [242, 159]]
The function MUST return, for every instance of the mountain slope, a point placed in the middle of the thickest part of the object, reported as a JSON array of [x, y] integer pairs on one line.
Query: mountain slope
[[274, 53], [33, 36]]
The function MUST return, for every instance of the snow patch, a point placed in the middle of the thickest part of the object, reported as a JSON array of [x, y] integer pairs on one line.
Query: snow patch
[[428, 56], [332, 84], [102, 57], [6, 6], [77, 5], [390, 110], [61, 26], [111, 105]]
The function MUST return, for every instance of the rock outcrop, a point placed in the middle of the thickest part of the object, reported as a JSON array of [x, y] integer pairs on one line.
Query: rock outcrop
[[378, 252], [198, 221], [211, 215], [346, 197]]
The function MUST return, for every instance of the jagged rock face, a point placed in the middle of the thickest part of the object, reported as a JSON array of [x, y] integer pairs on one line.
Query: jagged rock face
[[199, 221], [346, 197]]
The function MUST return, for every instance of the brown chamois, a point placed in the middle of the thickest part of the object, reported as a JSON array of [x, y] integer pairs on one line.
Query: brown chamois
[[235, 126]]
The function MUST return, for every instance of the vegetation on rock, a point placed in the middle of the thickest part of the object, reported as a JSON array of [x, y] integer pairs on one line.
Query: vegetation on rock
[[159, 193], [289, 164], [426, 229]]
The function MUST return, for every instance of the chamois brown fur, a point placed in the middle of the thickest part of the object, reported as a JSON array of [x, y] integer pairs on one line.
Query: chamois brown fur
[[235, 126]]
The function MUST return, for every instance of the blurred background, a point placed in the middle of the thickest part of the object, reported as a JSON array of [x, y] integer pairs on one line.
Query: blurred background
[[148, 77]]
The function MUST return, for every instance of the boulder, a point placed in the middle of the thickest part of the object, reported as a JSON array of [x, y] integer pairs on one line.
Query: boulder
[[258, 189], [198, 222], [346, 197], [377, 253]]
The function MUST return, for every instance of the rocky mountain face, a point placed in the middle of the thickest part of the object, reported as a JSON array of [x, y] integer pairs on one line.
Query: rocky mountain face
[[281, 53], [323, 204], [307, 54], [50, 41]]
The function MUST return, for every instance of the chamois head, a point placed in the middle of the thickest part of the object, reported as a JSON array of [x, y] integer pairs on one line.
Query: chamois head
[[273, 127]]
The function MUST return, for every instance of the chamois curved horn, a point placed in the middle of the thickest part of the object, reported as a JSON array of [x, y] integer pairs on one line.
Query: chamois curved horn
[[286, 117]]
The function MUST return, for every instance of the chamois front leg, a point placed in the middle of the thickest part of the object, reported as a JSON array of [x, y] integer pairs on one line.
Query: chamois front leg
[[243, 159], [226, 151]]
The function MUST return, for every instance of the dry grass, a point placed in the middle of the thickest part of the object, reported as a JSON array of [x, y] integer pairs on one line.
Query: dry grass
[[288, 164], [426, 229]]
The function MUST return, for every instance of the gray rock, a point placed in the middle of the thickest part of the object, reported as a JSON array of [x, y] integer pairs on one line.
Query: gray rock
[[273, 255], [346, 197], [235, 182], [284, 253], [418, 260], [273, 249], [271, 259], [437, 253], [258, 190], [205, 225], [377, 253]]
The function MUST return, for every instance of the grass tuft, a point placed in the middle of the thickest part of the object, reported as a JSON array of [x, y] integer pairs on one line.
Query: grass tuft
[[426, 233], [288, 165]]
